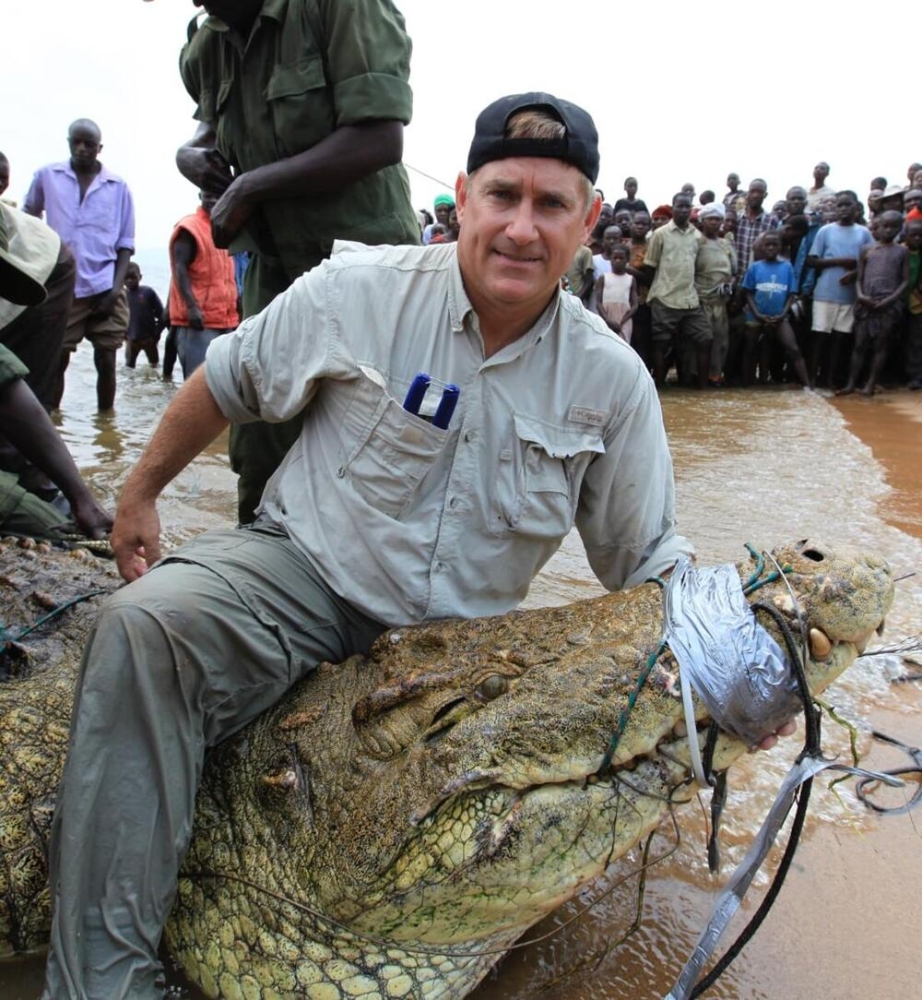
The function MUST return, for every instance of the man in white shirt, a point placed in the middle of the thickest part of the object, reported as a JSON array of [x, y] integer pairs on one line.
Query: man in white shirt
[[383, 513]]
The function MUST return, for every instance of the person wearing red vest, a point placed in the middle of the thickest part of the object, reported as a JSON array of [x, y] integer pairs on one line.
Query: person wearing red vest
[[203, 292]]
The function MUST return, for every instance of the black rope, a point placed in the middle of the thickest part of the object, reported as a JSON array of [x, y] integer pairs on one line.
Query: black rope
[[916, 755], [811, 749]]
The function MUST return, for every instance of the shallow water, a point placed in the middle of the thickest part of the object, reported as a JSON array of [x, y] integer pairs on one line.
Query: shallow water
[[762, 466]]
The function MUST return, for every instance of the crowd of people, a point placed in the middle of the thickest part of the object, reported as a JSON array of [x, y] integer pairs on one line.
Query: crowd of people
[[821, 289]]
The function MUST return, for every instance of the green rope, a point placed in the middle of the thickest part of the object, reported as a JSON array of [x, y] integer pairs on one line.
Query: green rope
[[6, 636], [755, 582]]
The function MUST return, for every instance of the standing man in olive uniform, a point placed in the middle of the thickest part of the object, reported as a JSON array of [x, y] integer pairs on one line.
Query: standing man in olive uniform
[[301, 105]]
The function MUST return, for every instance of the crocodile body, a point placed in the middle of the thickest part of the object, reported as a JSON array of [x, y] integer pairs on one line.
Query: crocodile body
[[398, 820]]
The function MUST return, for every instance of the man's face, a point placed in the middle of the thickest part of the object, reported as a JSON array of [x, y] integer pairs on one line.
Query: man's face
[[681, 210], [912, 199], [914, 236], [733, 181], [630, 188], [441, 214], [132, 277], [606, 216], [846, 210], [820, 173], [85, 146], [756, 194], [796, 201], [640, 225], [622, 218], [710, 226], [237, 13], [914, 168], [522, 220]]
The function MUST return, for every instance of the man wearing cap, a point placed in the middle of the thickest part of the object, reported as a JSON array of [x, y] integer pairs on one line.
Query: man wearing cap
[[23, 419], [443, 205], [381, 514], [301, 108], [715, 267], [35, 334]]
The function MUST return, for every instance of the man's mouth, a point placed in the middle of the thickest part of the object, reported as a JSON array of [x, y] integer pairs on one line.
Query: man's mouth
[[517, 258]]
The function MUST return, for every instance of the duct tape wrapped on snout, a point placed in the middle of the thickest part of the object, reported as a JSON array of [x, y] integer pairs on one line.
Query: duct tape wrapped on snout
[[735, 667]]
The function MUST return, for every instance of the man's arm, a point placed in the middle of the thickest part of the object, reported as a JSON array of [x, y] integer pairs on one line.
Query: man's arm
[[28, 426], [107, 302], [345, 156], [35, 198], [189, 424], [200, 161], [181, 256]]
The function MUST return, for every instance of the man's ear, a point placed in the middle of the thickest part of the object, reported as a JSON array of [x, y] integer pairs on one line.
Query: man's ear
[[592, 216], [460, 194]]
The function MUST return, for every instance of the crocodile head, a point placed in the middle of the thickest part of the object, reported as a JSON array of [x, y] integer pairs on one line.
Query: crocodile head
[[401, 818]]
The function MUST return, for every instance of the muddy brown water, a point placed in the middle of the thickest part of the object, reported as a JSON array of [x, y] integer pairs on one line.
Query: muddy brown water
[[763, 466]]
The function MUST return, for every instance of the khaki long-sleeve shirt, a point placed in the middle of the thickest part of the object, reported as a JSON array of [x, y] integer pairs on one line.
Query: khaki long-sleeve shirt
[[412, 522]]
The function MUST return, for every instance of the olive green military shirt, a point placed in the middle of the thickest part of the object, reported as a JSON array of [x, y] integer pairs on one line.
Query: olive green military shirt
[[307, 68]]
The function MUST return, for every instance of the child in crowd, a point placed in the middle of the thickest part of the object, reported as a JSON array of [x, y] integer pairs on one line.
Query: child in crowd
[[616, 293], [770, 288], [914, 303], [834, 257], [146, 321], [601, 262], [883, 278]]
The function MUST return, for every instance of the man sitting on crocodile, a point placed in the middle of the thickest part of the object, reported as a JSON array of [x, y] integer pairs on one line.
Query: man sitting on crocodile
[[387, 511]]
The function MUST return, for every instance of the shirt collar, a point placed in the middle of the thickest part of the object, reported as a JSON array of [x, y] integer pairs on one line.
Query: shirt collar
[[103, 176], [460, 308]]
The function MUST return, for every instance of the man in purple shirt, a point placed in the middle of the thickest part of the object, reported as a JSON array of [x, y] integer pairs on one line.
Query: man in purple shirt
[[92, 211]]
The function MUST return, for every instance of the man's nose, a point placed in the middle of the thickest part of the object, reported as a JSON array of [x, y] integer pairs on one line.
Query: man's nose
[[522, 228]]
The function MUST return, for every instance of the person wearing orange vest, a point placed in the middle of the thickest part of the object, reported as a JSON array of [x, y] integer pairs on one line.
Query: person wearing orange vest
[[203, 292]]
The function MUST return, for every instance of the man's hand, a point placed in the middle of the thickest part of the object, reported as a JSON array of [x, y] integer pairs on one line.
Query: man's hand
[[90, 518], [206, 168], [136, 538], [107, 302], [231, 212], [786, 730], [196, 319]]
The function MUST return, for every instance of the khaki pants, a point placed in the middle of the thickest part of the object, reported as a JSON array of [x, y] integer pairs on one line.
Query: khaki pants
[[178, 661]]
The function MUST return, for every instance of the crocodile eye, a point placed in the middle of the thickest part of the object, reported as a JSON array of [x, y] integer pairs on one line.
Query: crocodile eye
[[492, 687]]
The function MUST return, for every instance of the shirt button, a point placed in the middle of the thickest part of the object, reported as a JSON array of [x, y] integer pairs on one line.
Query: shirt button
[[452, 501], [340, 472], [468, 437]]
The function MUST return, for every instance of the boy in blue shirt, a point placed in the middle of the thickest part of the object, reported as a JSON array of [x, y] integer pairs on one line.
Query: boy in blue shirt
[[834, 257], [770, 287]]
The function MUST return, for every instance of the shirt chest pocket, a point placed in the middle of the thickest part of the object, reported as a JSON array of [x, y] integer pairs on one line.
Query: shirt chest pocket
[[386, 451], [300, 103], [537, 485]]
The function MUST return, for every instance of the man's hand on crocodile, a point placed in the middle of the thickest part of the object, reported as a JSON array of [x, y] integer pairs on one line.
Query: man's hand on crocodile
[[786, 730], [136, 538]]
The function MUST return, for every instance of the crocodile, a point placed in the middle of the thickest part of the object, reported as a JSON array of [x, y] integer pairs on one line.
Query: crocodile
[[394, 824]]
